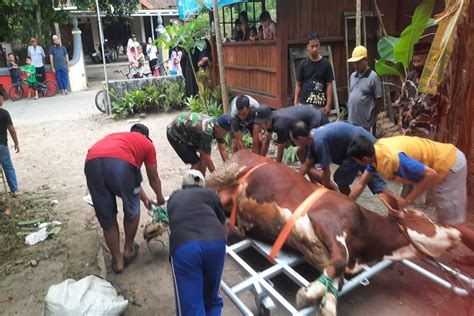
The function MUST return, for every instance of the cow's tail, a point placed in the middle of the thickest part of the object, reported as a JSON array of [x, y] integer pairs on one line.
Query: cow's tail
[[226, 175]]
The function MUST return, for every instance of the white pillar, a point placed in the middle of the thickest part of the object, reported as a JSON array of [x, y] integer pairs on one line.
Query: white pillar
[[142, 29]]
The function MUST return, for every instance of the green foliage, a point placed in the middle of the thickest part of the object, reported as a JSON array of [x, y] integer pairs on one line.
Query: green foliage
[[396, 53], [165, 97], [290, 155], [112, 8], [188, 36]]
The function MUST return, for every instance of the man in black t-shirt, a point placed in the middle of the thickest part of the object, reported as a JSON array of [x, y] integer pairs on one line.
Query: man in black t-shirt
[[314, 78], [197, 246], [280, 121], [7, 165]]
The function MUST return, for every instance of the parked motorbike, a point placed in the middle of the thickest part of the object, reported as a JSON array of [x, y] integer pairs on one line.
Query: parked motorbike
[[96, 57]]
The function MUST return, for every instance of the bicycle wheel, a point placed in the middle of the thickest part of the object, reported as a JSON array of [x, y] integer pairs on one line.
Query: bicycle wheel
[[50, 88], [16, 92], [101, 101]]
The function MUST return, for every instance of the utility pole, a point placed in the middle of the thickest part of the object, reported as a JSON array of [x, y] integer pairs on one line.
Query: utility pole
[[220, 57]]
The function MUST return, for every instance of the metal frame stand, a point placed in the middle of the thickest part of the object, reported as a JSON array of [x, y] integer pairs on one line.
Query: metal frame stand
[[268, 299]]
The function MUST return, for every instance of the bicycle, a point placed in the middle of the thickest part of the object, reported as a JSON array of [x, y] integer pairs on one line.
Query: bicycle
[[48, 88]]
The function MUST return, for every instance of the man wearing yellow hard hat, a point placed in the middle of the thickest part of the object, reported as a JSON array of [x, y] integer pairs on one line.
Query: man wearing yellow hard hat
[[365, 91]]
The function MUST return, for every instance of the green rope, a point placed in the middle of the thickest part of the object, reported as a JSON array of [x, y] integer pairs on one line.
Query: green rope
[[159, 214], [327, 282]]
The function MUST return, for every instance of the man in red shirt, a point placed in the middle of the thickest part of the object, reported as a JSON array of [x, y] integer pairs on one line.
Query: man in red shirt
[[113, 169]]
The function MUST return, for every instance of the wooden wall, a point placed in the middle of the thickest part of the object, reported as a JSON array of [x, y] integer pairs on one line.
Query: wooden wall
[[251, 69]]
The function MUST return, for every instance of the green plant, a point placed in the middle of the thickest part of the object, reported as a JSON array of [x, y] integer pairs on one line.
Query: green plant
[[290, 155], [194, 104], [396, 53], [174, 96]]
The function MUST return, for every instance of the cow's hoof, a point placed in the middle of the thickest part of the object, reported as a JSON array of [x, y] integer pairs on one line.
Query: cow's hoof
[[329, 305], [153, 230], [310, 296]]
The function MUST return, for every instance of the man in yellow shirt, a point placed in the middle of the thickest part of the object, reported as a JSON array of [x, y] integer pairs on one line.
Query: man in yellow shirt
[[437, 168]]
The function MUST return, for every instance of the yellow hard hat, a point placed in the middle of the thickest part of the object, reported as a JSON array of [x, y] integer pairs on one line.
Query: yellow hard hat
[[358, 53]]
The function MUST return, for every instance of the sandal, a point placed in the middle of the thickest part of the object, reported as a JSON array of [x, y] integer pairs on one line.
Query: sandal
[[130, 259]]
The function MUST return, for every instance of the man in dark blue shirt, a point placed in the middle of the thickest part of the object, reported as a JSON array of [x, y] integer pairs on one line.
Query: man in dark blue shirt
[[328, 144]]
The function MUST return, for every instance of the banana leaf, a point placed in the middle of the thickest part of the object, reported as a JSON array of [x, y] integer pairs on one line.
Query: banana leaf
[[403, 51], [384, 67], [385, 47], [442, 46]]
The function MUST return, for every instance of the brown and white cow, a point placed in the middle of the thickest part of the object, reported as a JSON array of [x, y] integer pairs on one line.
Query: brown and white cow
[[336, 235]]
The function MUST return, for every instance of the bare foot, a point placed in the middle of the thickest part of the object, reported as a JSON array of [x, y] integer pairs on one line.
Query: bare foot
[[16, 194], [117, 266]]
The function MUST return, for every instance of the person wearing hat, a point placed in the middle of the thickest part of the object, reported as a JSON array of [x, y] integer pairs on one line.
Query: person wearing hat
[[191, 134], [242, 111], [112, 169], [279, 121], [314, 78], [60, 64], [328, 144], [365, 91], [37, 55], [197, 246]]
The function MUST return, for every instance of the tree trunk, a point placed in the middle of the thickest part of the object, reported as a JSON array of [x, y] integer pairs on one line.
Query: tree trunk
[[357, 22], [220, 57], [201, 93]]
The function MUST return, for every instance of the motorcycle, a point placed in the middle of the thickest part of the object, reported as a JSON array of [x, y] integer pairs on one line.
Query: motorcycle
[[96, 57]]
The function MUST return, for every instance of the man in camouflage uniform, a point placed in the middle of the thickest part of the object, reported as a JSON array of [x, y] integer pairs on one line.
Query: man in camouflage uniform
[[419, 112], [193, 133]]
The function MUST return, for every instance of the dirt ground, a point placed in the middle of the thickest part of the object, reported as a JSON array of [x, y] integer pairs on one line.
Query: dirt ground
[[54, 137]]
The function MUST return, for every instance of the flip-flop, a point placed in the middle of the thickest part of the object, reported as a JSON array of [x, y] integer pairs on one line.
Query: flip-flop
[[115, 269], [130, 259]]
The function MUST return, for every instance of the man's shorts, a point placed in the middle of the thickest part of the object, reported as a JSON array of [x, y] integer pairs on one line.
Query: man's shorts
[[347, 172], [186, 152], [450, 196], [108, 178]]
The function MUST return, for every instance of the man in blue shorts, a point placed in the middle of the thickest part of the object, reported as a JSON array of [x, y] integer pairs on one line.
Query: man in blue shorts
[[112, 169], [328, 144]]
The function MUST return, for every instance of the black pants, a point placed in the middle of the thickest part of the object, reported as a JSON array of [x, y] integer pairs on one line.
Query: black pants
[[40, 74]]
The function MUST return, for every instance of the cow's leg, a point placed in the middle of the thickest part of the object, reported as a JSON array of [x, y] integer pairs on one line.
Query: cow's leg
[[324, 290]]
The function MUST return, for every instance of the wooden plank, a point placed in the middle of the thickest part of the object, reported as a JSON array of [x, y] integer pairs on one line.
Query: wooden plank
[[256, 68], [281, 53]]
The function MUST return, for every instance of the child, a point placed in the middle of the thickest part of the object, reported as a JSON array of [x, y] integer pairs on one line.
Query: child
[[237, 33], [253, 34], [31, 73], [14, 69], [268, 26], [141, 62]]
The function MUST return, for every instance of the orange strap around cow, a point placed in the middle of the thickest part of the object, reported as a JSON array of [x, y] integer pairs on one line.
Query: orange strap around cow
[[233, 213], [300, 210]]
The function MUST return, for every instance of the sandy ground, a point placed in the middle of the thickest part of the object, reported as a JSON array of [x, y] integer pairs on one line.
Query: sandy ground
[[54, 136]]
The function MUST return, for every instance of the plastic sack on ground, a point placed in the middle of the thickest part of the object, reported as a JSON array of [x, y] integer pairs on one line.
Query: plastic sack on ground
[[88, 296]]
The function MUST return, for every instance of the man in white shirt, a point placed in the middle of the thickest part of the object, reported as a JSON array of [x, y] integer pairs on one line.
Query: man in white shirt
[[36, 53]]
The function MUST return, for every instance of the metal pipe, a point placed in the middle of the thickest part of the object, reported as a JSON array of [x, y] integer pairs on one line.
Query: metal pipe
[[108, 108], [370, 272], [236, 300], [457, 274], [152, 28], [433, 277], [248, 283]]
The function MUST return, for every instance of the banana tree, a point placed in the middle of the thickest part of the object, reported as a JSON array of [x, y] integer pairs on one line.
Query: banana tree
[[189, 36], [396, 52]]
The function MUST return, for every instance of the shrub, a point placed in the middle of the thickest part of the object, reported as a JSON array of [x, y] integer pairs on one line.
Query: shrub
[[156, 98]]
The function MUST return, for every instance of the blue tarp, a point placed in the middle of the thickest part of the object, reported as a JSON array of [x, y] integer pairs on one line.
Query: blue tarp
[[187, 7]]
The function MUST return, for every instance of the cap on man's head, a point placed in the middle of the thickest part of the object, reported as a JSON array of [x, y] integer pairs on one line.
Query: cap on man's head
[[358, 53], [193, 177], [142, 129], [224, 121], [263, 114], [55, 37]]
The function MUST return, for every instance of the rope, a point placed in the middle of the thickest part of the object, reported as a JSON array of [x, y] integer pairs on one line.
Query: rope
[[325, 280], [159, 214]]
